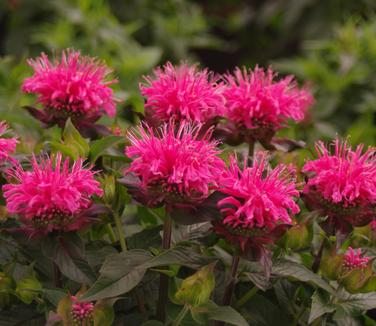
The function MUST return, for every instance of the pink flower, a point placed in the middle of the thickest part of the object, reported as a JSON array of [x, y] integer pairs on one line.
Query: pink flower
[[52, 196], [81, 311], [175, 165], [258, 202], [352, 260], [259, 105], [7, 145], [342, 183], [76, 86], [182, 93]]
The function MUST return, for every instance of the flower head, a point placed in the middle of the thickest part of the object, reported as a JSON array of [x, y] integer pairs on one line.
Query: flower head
[[7, 145], [259, 105], [182, 93], [175, 165], [81, 311], [342, 183], [257, 200], [52, 196], [75, 87], [352, 260]]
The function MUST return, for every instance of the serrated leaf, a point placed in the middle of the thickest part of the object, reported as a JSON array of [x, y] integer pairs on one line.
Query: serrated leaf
[[99, 147], [320, 306], [120, 273], [296, 271]]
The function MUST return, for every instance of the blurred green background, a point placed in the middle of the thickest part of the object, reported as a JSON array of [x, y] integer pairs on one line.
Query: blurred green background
[[331, 45]]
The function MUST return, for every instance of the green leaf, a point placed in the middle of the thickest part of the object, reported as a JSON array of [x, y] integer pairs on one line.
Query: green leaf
[[226, 314], [152, 323], [320, 306], [98, 147], [53, 295], [120, 273], [296, 271], [73, 139], [68, 253], [362, 301]]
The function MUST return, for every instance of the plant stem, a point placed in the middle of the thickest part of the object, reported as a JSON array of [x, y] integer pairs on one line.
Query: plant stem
[[317, 261], [231, 285], [163, 281], [111, 233], [246, 297], [180, 316], [120, 232], [57, 275], [251, 149]]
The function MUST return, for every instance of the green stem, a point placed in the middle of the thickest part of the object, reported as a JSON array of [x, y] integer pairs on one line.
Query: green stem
[[163, 282], [246, 297], [120, 232], [111, 233], [180, 316], [251, 149]]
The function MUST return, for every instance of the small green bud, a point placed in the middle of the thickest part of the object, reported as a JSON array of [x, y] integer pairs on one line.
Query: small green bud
[[28, 288], [196, 289], [108, 184], [354, 280], [297, 237], [331, 262]]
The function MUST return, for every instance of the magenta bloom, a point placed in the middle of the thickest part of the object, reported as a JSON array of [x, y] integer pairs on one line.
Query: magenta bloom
[[7, 145], [175, 166], [81, 311], [342, 184], [352, 260], [52, 196], [257, 104], [257, 201], [182, 93], [75, 87]]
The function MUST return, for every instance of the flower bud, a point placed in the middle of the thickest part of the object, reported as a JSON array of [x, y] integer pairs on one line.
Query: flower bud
[[108, 184], [297, 237], [196, 289], [28, 288], [356, 270], [331, 262]]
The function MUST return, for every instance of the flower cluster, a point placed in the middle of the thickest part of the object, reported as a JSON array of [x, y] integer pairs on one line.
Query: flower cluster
[[352, 259], [75, 87], [257, 200], [342, 184], [258, 105], [182, 93], [81, 311], [52, 196], [175, 165], [7, 145]]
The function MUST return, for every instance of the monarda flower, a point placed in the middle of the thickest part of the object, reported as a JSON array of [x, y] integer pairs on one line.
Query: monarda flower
[[52, 196], [182, 93], [82, 312], [7, 144], [176, 166], [75, 87], [257, 105], [258, 203], [342, 185]]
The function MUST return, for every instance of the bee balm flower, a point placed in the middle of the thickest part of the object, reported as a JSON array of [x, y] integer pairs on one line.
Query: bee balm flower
[[342, 184], [52, 196], [173, 166], [7, 145], [81, 311], [75, 87], [352, 259], [257, 204], [182, 93], [257, 105]]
